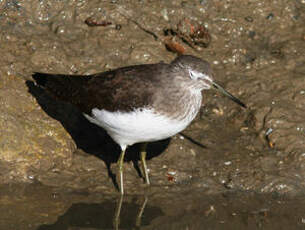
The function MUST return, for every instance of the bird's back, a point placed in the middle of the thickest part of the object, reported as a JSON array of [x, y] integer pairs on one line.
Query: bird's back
[[124, 89]]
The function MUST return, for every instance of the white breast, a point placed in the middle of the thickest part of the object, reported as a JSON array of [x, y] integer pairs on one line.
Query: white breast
[[128, 128], [146, 125]]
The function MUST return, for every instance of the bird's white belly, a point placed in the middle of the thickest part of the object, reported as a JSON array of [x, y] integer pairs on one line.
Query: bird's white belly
[[128, 128]]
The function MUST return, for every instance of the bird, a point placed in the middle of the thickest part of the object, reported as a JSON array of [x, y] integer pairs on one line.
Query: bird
[[139, 103]]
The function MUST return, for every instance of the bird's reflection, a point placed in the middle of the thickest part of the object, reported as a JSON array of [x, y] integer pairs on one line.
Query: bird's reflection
[[117, 214], [124, 213]]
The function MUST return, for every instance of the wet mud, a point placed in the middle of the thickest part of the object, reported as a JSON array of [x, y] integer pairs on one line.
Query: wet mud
[[232, 168]]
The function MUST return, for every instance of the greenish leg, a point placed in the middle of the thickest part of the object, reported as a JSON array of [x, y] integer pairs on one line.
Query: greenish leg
[[116, 218], [140, 213], [143, 160], [120, 165]]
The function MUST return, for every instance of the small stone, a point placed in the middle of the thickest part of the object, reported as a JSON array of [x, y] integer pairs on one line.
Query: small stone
[[251, 34], [270, 16], [249, 19]]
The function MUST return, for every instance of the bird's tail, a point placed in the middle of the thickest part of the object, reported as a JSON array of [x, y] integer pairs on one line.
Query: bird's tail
[[64, 87]]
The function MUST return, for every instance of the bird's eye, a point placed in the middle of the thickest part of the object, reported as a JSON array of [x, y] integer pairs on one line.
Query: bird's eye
[[193, 75]]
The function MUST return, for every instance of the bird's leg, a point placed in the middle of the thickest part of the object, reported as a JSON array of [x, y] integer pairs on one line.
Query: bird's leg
[[120, 169], [116, 218], [140, 213], [143, 160]]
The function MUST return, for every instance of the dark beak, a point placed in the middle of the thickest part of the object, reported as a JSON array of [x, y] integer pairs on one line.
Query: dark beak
[[227, 94]]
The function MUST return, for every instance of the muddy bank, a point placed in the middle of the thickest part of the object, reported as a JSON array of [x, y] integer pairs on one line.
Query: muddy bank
[[256, 49]]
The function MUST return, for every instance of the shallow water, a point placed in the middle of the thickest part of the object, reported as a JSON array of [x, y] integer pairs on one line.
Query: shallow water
[[41, 207]]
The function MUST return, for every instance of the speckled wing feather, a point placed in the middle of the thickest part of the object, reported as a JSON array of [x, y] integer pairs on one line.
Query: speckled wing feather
[[123, 89]]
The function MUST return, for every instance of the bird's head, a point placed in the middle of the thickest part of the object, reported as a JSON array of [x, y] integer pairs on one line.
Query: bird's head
[[199, 73]]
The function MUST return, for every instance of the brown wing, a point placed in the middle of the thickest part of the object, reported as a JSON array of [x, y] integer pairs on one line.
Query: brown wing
[[123, 89]]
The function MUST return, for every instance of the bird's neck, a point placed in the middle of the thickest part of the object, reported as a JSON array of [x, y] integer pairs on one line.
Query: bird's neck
[[191, 103]]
